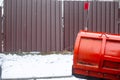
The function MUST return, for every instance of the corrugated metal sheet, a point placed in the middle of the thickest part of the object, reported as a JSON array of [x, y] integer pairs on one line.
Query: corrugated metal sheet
[[1, 29], [103, 17], [36, 25], [33, 25], [119, 20]]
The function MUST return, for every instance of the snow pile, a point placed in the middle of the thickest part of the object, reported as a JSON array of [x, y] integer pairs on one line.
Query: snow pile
[[16, 66]]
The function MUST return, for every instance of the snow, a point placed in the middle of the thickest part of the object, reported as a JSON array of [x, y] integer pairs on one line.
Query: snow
[[25, 66]]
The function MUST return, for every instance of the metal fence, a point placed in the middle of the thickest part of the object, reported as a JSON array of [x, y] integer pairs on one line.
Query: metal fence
[[36, 25], [33, 25], [102, 17], [1, 34]]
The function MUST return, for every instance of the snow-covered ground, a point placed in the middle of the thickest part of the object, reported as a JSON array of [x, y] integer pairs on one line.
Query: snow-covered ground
[[25, 66]]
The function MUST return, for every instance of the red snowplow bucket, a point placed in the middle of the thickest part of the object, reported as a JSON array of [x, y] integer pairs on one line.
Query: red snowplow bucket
[[97, 55]]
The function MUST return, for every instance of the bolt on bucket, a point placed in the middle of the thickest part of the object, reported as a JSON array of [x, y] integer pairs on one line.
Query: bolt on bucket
[[97, 55]]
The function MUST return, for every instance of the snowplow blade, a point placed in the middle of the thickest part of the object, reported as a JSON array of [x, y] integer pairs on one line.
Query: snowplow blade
[[97, 55]]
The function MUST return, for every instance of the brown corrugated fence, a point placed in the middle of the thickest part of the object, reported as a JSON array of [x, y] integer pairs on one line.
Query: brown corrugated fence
[[33, 25], [102, 17], [36, 25], [1, 35]]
